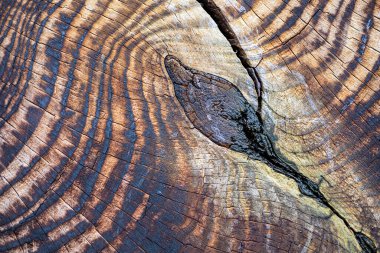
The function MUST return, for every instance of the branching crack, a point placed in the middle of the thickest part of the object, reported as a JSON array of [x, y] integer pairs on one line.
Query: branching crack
[[302, 29], [223, 115]]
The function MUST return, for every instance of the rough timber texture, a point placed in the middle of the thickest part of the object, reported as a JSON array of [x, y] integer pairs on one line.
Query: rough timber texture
[[98, 154]]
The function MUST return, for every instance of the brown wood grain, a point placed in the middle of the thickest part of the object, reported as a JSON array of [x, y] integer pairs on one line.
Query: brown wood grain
[[97, 153]]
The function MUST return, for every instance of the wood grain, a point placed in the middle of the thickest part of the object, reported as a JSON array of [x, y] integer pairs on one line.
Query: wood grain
[[97, 154]]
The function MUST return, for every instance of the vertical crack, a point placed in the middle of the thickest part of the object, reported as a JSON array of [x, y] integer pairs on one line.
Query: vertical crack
[[224, 27]]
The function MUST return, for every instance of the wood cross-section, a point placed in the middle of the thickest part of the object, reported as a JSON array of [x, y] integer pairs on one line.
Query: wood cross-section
[[99, 153]]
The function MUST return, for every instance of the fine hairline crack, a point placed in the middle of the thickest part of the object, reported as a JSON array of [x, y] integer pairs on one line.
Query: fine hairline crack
[[221, 21]]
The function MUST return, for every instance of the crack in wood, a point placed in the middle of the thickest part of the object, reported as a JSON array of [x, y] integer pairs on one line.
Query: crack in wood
[[219, 110], [224, 27]]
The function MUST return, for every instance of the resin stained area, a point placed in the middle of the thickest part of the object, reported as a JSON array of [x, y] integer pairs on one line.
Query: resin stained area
[[214, 105]]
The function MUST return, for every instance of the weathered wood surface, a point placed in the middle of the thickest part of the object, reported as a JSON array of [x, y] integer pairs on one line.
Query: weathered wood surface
[[97, 152]]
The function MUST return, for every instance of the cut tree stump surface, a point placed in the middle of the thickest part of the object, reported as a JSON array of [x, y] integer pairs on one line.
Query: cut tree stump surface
[[189, 126]]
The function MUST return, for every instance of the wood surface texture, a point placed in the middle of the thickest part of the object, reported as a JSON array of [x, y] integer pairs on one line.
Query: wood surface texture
[[123, 126]]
